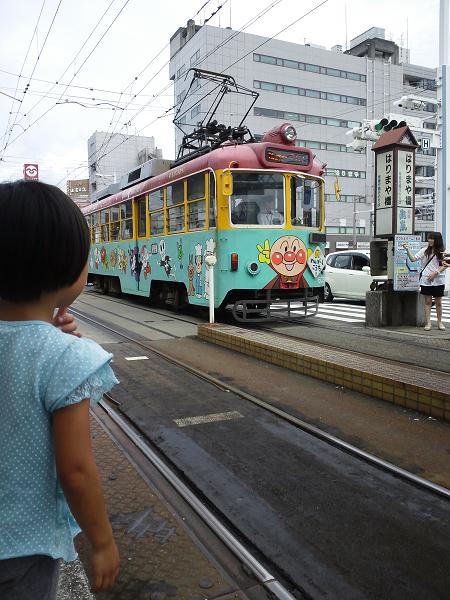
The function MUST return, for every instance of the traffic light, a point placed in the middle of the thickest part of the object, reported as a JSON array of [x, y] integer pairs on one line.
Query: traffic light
[[380, 126], [357, 145]]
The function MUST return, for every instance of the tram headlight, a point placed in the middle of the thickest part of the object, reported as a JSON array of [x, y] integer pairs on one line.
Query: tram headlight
[[289, 134], [253, 268]]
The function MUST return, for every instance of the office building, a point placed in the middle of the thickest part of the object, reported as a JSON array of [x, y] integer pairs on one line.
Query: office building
[[110, 156]]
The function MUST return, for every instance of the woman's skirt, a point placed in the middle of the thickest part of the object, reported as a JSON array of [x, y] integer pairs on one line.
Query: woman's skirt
[[437, 291]]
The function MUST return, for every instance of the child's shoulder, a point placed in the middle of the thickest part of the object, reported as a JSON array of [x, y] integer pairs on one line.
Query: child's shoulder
[[78, 350], [81, 360]]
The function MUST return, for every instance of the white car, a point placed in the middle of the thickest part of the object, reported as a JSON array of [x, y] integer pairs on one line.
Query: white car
[[347, 275]]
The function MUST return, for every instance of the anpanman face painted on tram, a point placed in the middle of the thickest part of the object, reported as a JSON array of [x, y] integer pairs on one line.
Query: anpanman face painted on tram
[[288, 256]]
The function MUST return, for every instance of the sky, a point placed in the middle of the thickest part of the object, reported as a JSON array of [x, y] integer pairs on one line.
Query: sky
[[103, 64]]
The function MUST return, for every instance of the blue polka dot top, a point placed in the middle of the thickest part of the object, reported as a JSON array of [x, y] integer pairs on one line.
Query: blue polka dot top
[[41, 370]]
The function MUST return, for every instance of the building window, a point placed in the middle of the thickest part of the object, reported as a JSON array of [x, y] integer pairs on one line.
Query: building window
[[180, 71], [270, 60], [345, 231], [287, 89], [195, 57], [335, 72], [291, 116], [180, 97], [293, 64], [195, 111]]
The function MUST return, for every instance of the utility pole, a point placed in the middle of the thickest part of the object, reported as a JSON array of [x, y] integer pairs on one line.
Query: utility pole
[[443, 154], [354, 222]]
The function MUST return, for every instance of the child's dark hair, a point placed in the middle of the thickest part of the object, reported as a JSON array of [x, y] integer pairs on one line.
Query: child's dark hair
[[44, 240]]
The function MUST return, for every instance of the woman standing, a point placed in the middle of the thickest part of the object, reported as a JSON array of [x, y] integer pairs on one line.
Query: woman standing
[[432, 277]]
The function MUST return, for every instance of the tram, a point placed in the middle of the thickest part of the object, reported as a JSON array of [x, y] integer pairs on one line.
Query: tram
[[257, 206]]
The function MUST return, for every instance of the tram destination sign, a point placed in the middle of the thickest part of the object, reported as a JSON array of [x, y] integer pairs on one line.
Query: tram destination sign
[[290, 157]]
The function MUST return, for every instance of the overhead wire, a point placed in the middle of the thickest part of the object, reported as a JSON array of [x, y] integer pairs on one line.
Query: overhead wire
[[253, 20], [76, 73], [32, 73], [166, 113], [107, 140], [73, 60], [22, 67]]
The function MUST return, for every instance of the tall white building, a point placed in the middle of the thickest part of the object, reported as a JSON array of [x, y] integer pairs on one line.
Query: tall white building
[[109, 157], [323, 93]]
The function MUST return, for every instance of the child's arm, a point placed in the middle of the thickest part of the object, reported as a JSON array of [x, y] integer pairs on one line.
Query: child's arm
[[82, 487]]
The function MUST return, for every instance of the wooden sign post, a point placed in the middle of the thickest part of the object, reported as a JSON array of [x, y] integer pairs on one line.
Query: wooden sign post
[[394, 183]]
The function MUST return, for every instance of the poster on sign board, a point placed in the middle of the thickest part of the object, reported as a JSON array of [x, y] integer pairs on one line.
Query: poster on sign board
[[406, 272]]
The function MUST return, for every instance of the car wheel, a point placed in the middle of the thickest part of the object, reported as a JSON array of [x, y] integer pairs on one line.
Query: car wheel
[[327, 295]]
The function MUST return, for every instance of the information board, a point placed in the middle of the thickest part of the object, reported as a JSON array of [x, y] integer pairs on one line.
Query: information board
[[406, 272]]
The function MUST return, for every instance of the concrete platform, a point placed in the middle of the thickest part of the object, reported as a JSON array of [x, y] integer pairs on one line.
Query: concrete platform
[[412, 387]]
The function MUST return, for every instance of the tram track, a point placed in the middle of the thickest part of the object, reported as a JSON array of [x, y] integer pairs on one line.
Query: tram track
[[250, 562], [293, 420], [262, 572], [355, 333]]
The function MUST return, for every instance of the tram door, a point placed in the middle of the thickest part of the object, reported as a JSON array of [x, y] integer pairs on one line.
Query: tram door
[[140, 235]]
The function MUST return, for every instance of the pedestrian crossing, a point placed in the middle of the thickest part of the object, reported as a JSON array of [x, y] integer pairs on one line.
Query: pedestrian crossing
[[355, 313]]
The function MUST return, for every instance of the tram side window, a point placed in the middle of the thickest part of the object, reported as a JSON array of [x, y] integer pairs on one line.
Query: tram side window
[[115, 223], [126, 220], [104, 217], [175, 207], [142, 216], [96, 227], [91, 229], [196, 195], [175, 193], [176, 218], [156, 210], [305, 202], [212, 200]]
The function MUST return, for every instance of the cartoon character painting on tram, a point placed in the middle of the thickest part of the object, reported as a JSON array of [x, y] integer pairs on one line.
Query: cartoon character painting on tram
[[258, 207]]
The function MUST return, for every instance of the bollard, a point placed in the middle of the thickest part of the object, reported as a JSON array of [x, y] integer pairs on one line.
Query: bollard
[[210, 261]]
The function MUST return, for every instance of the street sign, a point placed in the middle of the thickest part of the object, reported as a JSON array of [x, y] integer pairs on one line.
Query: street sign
[[425, 143], [394, 183], [31, 172]]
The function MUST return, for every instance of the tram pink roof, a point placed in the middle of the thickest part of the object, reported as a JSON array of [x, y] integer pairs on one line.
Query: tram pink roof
[[243, 156]]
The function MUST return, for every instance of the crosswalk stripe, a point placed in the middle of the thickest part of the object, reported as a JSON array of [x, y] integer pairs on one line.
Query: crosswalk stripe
[[342, 313], [336, 318], [343, 308], [350, 313]]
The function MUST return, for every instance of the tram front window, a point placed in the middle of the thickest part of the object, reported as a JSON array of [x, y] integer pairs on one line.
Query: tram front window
[[305, 202], [258, 199]]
